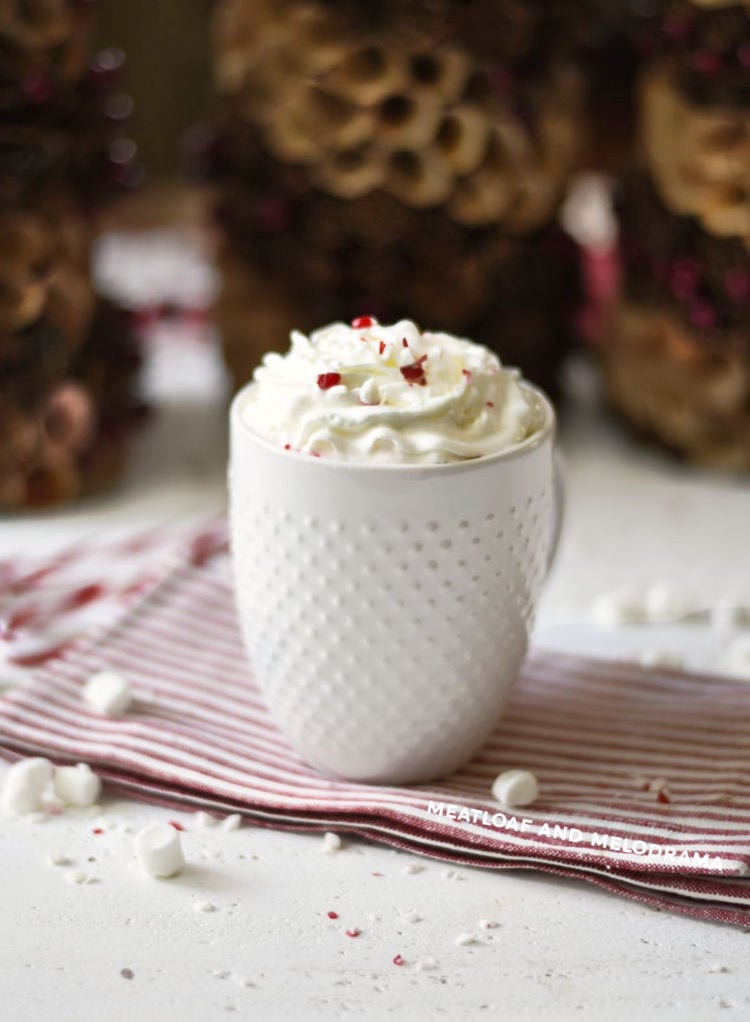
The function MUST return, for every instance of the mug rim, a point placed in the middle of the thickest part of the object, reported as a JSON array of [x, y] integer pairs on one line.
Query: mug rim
[[546, 431]]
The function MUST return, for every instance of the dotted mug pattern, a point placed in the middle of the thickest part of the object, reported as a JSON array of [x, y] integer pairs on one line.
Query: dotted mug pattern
[[386, 645]]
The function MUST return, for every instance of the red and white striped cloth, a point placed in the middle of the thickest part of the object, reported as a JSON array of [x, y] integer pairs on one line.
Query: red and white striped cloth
[[645, 775]]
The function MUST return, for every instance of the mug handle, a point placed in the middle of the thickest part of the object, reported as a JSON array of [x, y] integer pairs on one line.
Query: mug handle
[[558, 490]]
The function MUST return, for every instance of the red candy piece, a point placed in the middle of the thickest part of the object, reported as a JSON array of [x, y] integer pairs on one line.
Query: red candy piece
[[363, 321], [414, 373], [175, 824], [328, 380], [353, 932], [332, 914], [398, 960]]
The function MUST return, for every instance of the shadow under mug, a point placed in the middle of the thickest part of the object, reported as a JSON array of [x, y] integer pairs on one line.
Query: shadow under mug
[[386, 609]]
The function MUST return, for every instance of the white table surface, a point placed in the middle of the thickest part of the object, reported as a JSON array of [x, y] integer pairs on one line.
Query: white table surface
[[268, 950]]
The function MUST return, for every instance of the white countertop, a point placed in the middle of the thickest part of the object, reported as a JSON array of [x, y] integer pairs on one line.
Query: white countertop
[[560, 949]]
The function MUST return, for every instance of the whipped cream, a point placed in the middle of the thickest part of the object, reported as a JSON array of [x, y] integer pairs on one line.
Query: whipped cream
[[393, 394]]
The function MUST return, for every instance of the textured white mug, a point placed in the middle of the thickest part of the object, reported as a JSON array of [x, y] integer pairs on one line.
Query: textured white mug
[[386, 609]]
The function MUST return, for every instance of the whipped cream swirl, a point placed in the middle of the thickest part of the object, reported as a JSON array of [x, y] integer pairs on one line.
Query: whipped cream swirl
[[391, 394]]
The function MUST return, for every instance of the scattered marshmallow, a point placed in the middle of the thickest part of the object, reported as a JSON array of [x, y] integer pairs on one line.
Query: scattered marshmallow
[[728, 615], [77, 876], [108, 693], [657, 603], [515, 787], [410, 916], [12, 677], [203, 906], [159, 850], [233, 822], [56, 858], [77, 785], [427, 964], [369, 392], [205, 819], [412, 868], [737, 657], [662, 602], [465, 938], [331, 842], [24, 785], [660, 658], [487, 924], [617, 608]]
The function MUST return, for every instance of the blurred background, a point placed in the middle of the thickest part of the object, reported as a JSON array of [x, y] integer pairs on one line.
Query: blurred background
[[549, 177]]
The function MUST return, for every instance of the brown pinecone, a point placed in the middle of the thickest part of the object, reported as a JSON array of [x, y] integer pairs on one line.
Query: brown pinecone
[[704, 47], [524, 297], [44, 276], [43, 42], [671, 385], [66, 424], [671, 262], [428, 123], [699, 156]]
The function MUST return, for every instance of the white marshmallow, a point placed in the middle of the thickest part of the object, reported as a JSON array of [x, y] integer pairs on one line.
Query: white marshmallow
[[24, 785], [108, 693], [77, 785], [331, 842], [617, 608], [159, 850], [728, 614], [232, 822], [660, 658], [664, 603], [738, 657], [465, 938], [515, 787]]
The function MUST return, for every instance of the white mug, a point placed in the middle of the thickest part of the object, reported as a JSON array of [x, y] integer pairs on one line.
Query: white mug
[[386, 609]]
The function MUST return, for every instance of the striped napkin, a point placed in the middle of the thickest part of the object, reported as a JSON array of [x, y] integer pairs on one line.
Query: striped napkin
[[645, 774]]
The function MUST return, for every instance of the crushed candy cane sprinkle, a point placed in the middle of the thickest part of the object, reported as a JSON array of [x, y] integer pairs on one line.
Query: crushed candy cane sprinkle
[[389, 393]]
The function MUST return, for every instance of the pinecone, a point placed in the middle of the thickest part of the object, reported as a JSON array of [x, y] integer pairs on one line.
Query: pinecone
[[525, 295], [428, 123], [671, 262], [671, 385], [704, 47], [699, 156], [42, 44], [44, 274], [66, 422]]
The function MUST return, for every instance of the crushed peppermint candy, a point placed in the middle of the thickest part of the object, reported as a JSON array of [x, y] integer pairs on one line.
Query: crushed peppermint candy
[[353, 931], [328, 380], [399, 960], [362, 322]]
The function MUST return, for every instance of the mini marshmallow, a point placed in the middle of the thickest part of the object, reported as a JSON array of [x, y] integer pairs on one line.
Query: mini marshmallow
[[738, 657], [660, 658], [727, 615], [77, 785], [331, 842], [617, 608], [515, 787], [664, 603], [159, 850], [108, 693], [232, 822], [205, 819], [465, 938], [24, 785]]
